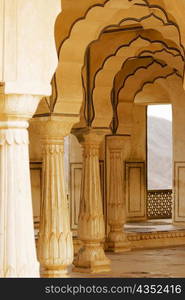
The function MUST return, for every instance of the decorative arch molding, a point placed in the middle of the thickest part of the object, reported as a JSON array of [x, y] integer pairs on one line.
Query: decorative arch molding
[[141, 79], [155, 89], [151, 53], [152, 80], [70, 100], [142, 36], [174, 72], [84, 13], [164, 9], [155, 66], [120, 80], [170, 83], [111, 67], [130, 37]]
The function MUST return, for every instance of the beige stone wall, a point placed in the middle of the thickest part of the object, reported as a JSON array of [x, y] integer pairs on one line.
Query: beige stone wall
[[178, 106], [133, 121]]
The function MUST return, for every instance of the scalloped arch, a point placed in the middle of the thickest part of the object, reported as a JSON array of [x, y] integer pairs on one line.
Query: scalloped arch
[[169, 58], [138, 83], [144, 36], [121, 77], [149, 82], [105, 77], [174, 13], [165, 83], [69, 85]]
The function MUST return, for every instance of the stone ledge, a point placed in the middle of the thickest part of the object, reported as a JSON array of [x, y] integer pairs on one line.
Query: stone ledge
[[156, 239]]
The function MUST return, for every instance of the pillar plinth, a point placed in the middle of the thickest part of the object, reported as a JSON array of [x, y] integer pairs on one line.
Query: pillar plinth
[[91, 228], [17, 243], [117, 239], [55, 245]]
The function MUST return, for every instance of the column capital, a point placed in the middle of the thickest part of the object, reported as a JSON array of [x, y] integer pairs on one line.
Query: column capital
[[15, 111], [17, 107], [54, 127], [90, 135], [117, 141]]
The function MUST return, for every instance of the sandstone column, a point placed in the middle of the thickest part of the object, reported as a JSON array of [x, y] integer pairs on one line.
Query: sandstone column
[[91, 228], [17, 244], [117, 239], [55, 246]]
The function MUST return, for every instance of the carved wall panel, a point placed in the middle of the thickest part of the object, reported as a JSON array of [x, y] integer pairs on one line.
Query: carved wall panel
[[135, 191], [179, 192]]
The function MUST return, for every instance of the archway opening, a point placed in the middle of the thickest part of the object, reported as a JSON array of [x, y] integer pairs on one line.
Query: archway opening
[[159, 162]]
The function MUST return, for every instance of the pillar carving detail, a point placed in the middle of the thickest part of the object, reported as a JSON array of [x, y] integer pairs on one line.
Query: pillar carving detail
[[91, 228], [17, 243], [55, 246]]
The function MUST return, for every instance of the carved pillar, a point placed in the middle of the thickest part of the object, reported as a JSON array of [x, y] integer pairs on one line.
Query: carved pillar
[[55, 246], [91, 228], [17, 244], [117, 239]]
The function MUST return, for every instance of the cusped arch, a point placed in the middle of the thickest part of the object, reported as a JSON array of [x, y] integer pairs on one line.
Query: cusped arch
[[153, 93], [138, 82], [133, 84], [174, 13], [163, 86], [131, 37], [105, 78], [72, 12], [68, 74]]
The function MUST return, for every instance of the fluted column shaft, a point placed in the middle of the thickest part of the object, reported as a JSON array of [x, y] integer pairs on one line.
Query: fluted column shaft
[[55, 245], [117, 240], [91, 227], [17, 243]]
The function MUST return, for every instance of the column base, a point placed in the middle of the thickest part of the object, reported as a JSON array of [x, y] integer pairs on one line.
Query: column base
[[117, 242], [93, 269], [91, 259], [54, 273], [118, 247]]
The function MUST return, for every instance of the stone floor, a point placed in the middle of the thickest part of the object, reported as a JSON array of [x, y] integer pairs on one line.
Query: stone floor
[[147, 263], [160, 263], [165, 262]]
